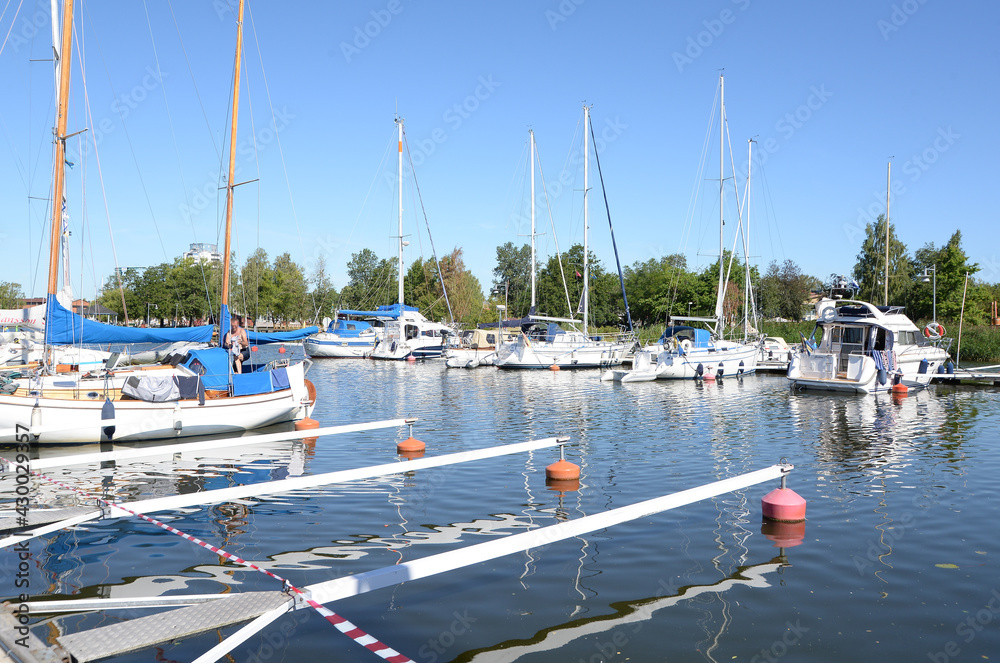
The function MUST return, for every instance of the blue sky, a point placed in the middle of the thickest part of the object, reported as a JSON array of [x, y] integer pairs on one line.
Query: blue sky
[[830, 91]]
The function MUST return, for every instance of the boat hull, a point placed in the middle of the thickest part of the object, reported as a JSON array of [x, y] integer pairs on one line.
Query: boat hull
[[733, 361], [540, 354], [79, 421], [326, 345]]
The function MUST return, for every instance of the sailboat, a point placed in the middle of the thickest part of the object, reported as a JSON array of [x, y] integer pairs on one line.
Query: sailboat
[[198, 394], [406, 333], [543, 343], [686, 352]]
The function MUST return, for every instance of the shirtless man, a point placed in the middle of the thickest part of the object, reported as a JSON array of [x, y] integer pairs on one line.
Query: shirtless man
[[236, 342]]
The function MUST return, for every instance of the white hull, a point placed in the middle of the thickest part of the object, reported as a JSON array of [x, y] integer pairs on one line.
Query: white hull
[[643, 370], [326, 344], [854, 334], [79, 421], [570, 350], [468, 358], [416, 348], [733, 359], [818, 371], [14, 354]]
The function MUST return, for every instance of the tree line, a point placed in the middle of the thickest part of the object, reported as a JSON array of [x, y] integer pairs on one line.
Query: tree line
[[658, 289]]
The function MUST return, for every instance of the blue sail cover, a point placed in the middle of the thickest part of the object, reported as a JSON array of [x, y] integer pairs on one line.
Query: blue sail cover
[[386, 311], [260, 338], [63, 327]]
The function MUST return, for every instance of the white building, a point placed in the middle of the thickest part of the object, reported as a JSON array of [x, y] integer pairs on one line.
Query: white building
[[204, 253]]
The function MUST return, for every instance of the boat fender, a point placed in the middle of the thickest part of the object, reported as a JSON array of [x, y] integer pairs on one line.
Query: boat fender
[[949, 368], [739, 371], [699, 371], [108, 412], [392, 347], [934, 330], [719, 373], [882, 376], [923, 366]]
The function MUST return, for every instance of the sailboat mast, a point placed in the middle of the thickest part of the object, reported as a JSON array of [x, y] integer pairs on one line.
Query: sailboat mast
[[59, 178], [746, 243], [722, 139], [586, 219], [531, 165], [399, 123], [230, 185], [888, 182]]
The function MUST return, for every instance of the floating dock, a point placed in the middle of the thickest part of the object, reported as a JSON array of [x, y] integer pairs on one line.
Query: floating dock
[[982, 375]]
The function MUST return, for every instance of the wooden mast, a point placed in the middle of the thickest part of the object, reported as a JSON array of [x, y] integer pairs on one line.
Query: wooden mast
[[232, 175], [59, 176]]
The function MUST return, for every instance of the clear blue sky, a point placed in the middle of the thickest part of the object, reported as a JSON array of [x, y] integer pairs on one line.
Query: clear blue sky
[[830, 91]]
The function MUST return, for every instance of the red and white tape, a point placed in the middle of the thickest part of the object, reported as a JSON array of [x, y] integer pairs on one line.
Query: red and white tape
[[359, 636]]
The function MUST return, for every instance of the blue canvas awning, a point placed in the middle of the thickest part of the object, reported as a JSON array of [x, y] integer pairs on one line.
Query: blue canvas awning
[[63, 327]]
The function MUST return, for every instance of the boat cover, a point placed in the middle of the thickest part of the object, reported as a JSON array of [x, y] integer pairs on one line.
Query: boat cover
[[63, 327], [213, 365]]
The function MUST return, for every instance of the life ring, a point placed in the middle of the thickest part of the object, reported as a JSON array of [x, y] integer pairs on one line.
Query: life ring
[[934, 330], [685, 346], [310, 391]]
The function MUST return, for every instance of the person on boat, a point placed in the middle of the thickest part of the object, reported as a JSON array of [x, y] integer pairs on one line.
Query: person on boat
[[236, 342]]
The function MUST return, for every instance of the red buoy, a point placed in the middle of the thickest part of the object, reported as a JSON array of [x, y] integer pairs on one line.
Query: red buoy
[[708, 377], [554, 367], [253, 348], [784, 535], [281, 350], [783, 505], [411, 359], [900, 388], [563, 485]]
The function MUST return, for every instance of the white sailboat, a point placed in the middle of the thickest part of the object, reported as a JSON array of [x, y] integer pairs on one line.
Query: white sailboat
[[199, 396], [543, 343], [686, 352], [406, 333]]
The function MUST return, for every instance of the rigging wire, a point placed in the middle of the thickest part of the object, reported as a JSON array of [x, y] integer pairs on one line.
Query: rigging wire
[[416, 186]]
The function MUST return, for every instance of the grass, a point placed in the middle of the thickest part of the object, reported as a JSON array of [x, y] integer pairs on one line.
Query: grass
[[980, 343]]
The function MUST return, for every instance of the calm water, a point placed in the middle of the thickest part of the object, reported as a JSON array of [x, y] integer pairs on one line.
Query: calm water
[[900, 560]]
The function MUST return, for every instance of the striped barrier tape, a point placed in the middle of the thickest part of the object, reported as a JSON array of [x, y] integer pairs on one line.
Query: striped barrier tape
[[359, 636]]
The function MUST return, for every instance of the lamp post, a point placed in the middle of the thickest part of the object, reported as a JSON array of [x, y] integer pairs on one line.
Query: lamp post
[[927, 278], [155, 306], [689, 308]]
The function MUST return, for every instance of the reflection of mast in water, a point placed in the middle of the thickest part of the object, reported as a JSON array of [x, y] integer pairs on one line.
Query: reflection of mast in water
[[528, 511], [625, 612]]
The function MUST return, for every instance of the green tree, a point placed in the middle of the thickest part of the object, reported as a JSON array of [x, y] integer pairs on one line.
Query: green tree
[[290, 290], [512, 278], [870, 268], [11, 295], [784, 290], [605, 299], [951, 265], [322, 295], [659, 288], [257, 293], [371, 281]]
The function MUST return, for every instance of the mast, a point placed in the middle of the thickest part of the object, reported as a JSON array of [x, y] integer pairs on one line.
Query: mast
[[746, 243], [230, 186], [722, 129], [399, 123], [59, 175], [888, 181], [531, 165], [586, 173]]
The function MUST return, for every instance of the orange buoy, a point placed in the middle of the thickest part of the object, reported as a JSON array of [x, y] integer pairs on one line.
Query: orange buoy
[[306, 424], [253, 348], [562, 469], [411, 445], [554, 367], [784, 535], [708, 377], [282, 350], [563, 485], [411, 359], [900, 389]]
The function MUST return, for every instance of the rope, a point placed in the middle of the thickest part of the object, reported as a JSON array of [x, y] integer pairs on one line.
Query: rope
[[343, 625]]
